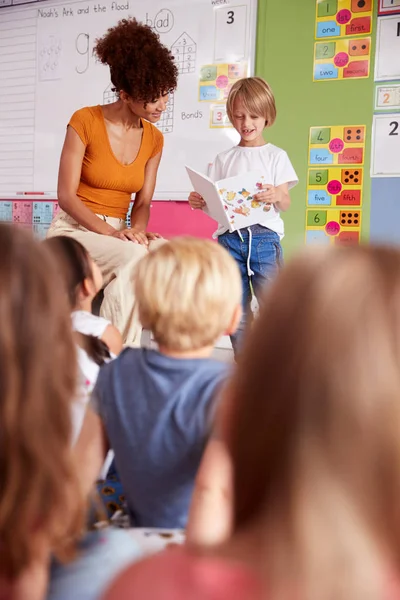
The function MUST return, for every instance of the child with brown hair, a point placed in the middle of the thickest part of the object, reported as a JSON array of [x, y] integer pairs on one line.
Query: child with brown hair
[[155, 408], [41, 505], [314, 449], [97, 339], [256, 249]]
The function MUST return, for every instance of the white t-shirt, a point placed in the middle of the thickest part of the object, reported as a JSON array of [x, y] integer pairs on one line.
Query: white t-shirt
[[274, 164], [87, 324]]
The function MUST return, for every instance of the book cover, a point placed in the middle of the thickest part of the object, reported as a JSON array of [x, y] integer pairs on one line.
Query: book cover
[[231, 201]]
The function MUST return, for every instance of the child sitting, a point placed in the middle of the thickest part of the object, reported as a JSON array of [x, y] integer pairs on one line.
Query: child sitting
[[311, 426], [155, 408], [97, 339]]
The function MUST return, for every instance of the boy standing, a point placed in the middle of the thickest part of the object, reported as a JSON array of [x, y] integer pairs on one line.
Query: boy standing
[[256, 249]]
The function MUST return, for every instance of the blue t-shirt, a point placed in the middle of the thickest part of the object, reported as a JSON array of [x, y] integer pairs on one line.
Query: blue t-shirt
[[157, 412]]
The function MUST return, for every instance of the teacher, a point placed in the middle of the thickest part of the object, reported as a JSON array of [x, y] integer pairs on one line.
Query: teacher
[[111, 152]]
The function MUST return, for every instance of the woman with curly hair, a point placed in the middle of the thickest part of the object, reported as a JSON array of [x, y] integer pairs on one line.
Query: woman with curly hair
[[111, 152]]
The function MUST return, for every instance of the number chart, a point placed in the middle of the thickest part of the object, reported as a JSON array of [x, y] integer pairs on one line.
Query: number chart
[[337, 145], [343, 18], [386, 145], [217, 80], [232, 40], [335, 186], [387, 98], [333, 226], [184, 51], [389, 7], [218, 116], [342, 59], [30, 214]]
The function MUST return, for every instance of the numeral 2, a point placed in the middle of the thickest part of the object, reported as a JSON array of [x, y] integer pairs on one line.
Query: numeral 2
[[395, 126]]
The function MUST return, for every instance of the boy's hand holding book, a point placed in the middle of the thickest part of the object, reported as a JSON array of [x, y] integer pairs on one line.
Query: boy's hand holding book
[[267, 194], [196, 201]]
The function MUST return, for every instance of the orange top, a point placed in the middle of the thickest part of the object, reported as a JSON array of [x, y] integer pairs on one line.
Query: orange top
[[106, 184]]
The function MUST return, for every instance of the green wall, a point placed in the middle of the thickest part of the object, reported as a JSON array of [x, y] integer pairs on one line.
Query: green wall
[[285, 45]]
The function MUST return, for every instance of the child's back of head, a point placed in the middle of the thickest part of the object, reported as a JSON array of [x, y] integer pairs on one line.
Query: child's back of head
[[188, 293], [315, 403], [39, 499]]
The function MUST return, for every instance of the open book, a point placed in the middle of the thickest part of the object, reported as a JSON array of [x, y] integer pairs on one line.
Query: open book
[[230, 201]]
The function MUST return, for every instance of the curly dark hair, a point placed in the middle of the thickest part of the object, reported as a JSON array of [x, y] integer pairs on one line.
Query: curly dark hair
[[139, 64]]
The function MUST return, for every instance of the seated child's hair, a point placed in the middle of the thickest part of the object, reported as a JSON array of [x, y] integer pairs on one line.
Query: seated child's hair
[[257, 98], [313, 424], [75, 264], [39, 495], [187, 292]]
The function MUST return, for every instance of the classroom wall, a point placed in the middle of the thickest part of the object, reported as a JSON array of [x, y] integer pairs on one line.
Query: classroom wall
[[285, 59]]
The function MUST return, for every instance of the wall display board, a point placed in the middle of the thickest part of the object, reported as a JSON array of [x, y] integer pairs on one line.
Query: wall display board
[[35, 213], [335, 188], [388, 7], [385, 159], [341, 18], [386, 145], [333, 226], [387, 60], [342, 59], [337, 145], [387, 97], [48, 71]]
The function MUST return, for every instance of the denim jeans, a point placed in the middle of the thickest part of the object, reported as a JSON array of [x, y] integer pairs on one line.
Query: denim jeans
[[265, 260]]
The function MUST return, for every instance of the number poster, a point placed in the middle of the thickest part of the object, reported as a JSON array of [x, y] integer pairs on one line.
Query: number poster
[[335, 184]]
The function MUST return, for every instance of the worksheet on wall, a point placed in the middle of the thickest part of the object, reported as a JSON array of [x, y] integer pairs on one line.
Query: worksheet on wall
[[387, 61], [385, 160]]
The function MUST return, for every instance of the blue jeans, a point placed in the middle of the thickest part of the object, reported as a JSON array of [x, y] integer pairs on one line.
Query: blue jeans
[[265, 260]]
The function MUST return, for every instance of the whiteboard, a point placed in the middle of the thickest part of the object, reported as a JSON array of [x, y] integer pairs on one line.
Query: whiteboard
[[48, 71]]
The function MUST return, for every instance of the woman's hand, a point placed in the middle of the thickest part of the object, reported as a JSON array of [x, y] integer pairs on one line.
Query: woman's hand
[[153, 236], [196, 201], [131, 235]]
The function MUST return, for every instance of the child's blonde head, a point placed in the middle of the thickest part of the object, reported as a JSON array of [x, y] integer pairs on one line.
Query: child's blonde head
[[188, 292], [256, 96]]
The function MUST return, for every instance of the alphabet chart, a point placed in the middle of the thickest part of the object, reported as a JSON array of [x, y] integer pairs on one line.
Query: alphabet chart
[[337, 145], [216, 80], [335, 186], [342, 18], [342, 59]]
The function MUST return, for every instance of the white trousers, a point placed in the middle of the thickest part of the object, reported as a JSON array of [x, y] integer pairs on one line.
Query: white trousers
[[117, 260]]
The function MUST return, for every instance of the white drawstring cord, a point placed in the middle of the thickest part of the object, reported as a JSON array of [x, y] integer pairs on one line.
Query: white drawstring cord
[[254, 307]]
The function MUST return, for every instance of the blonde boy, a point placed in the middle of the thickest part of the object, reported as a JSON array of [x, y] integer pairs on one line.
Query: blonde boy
[[257, 249], [155, 408]]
